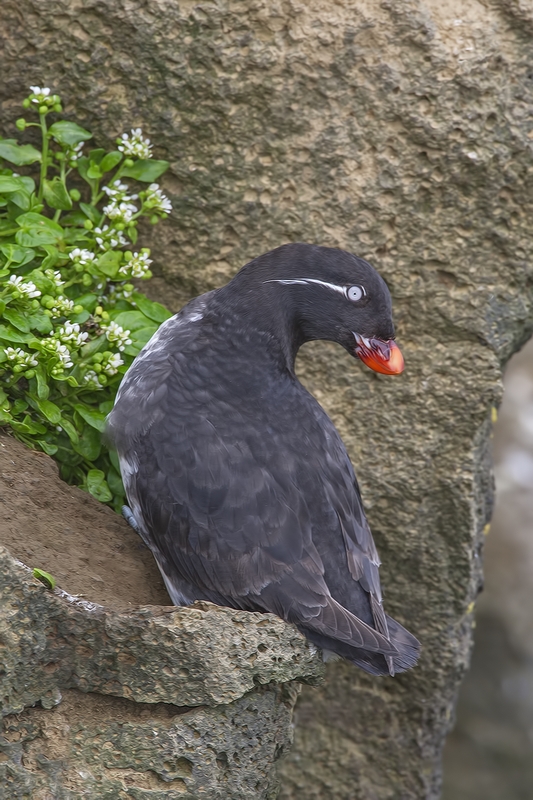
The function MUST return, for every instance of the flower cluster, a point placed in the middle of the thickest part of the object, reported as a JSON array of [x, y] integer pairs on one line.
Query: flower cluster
[[120, 208], [107, 238], [62, 307], [70, 333], [156, 201], [117, 335], [134, 145], [54, 347], [137, 265], [43, 98], [81, 257], [74, 152], [20, 360], [55, 276], [20, 288]]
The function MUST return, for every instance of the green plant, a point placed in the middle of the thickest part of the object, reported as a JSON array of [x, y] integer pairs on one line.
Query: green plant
[[71, 321]]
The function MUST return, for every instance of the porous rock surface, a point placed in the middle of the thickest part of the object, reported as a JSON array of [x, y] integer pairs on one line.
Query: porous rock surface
[[399, 131], [107, 702]]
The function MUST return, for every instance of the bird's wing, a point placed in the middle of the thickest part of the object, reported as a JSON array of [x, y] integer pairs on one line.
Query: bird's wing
[[226, 513]]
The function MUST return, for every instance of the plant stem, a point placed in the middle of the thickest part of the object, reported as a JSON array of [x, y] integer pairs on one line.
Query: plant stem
[[44, 156]]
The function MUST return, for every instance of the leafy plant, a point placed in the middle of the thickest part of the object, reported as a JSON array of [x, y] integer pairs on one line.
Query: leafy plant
[[71, 320]]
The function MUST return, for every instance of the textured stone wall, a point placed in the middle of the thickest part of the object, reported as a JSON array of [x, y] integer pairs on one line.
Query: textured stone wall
[[400, 131]]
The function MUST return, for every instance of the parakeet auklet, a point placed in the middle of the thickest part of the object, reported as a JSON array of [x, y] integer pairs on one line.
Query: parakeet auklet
[[237, 479]]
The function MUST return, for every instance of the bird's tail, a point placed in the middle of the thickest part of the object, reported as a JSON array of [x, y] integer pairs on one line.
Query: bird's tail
[[401, 655]]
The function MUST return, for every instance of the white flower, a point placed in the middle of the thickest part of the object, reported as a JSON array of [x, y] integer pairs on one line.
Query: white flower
[[20, 358], [62, 306], [137, 266], [107, 237], [55, 277], [40, 94], [134, 145], [28, 288], [55, 348], [156, 200], [82, 257], [116, 334], [120, 212], [118, 188], [70, 333], [111, 365], [92, 378], [75, 152]]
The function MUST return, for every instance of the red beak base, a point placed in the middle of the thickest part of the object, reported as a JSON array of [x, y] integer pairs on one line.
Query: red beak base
[[381, 356]]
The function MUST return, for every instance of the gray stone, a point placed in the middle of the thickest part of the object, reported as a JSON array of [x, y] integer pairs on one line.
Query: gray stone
[[399, 131]]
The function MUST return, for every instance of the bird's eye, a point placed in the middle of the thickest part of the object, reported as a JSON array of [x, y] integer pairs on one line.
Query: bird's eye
[[355, 293]]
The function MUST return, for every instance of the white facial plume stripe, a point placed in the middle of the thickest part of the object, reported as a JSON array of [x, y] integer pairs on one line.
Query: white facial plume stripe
[[287, 282]]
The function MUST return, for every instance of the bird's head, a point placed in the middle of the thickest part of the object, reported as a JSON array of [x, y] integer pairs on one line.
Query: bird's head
[[333, 295]]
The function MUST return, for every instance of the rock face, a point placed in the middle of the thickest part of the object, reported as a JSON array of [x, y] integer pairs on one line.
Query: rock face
[[399, 131], [96, 702]]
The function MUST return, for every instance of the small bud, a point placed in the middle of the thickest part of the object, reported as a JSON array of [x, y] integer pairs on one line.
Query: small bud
[[35, 304], [43, 109], [58, 108], [75, 195], [129, 162], [47, 312], [102, 380], [60, 156], [77, 309], [86, 280], [26, 103], [120, 226], [105, 315], [129, 287], [20, 124], [45, 301], [107, 354], [148, 274], [88, 225], [18, 368], [78, 268], [97, 367], [154, 219], [98, 358], [30, 374], [145, 251], [98, 310]]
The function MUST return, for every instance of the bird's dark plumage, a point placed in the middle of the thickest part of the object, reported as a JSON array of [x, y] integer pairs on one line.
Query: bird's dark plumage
[[237, 479]]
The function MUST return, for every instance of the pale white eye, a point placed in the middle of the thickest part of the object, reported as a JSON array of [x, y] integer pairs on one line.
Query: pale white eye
[[355, 293]]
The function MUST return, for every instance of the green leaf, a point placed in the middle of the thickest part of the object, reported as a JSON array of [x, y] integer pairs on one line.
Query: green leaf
[[50, 411], [21, 199], [147, 170], [96, 155], [93, 346], [12, 183], [110, 160], [92, 417], [56, 195], [88, 301], [70, 430], [97, 485], [115, 482], [82, 165], [18, 154], [131, 320], [89, 444], [109, 263], [5, 417], [49, 449], [52, 257], [11, 335], [44, 577], [91, 212], [39, 321], [43, 390], [94, 172], [17, 319], [17, 255], [113, 457], [154, 311], [69, 133], [37, 230]]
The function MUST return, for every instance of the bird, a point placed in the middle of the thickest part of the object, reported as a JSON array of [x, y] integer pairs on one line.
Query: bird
[[236, 478]]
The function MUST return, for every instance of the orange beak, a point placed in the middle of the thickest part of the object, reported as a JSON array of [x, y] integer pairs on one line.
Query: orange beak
[[381, 356]]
